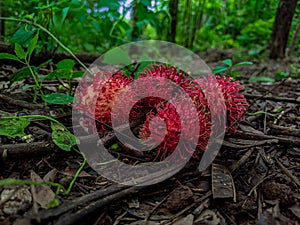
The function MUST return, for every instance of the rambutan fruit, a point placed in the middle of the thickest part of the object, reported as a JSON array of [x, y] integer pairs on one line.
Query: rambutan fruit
[[220, 91], [96, 97]]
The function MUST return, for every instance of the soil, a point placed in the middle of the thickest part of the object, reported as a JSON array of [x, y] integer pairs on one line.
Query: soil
[[254, 179]]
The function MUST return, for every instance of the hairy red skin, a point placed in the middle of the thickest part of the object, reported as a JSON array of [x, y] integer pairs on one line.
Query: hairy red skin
[[206, 87], [103, 99]]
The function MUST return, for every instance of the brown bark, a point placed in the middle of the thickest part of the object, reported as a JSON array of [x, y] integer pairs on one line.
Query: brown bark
[[173, 9], [281, 28], [197, 22], [186, 21], [295, 39], [134, 32]]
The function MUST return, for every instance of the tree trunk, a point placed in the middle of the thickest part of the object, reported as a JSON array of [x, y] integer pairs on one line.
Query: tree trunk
[[198, 21], [135, 29], [281, 28], [173, 9], [2, 22], [185, 25], [295, 39]]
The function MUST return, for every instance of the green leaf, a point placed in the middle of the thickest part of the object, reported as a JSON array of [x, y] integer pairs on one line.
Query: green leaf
[[235, 74], [227, 62], [57, 98], [243, 63], [141, 68], [77, 74], [49, 76], [23, 35], [141, 12], [62, 74], [66, 64], [63, 138], [25, 87], [44, 63], [219, 69], [79, 13], [254, 79], [111, 4], [115, 147], [279, 75], [146, 2], [116, 57], [20, 51], [32, 45], [9, 56], [13, 127], [20, 75], [60, 16], [53, 203]]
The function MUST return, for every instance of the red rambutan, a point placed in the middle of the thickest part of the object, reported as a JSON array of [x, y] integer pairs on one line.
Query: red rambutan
[[96, 98], [201, 91]]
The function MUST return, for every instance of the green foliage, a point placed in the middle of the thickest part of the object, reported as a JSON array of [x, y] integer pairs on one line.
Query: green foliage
[[294, 71], [23, 56], [57, 98], [115, 147], [9, 56], [279, 75], [96, 26], [24, 35], [257, 33], [229, 68], [64, 71], [13, 127], [63, 138], [117, 57], [263, 79], [11, 181]]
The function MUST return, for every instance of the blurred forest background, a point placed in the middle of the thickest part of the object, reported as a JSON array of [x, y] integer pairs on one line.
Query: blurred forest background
[[254, 28]]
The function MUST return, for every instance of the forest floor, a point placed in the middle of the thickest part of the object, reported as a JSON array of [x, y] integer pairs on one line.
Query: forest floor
[[255, 179]]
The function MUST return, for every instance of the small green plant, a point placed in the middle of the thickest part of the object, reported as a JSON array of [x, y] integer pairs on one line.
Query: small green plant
[[262, 79], [229, 68], [64, 68], [294, 71], [23, 57], [14, 126], [280, 75], [64, 71]]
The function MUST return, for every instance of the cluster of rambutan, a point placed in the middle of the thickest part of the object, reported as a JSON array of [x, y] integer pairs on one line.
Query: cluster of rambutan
[[102, 91]]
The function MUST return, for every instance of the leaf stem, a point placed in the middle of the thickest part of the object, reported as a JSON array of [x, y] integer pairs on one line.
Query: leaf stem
[[38, 117], [28, 182]]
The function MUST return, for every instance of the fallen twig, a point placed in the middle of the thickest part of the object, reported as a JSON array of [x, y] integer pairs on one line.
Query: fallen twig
[[254, 136], [287, 172], [284, 130], [271, 98], [70, 205], [20, 103], [74, 218], [25, 149]]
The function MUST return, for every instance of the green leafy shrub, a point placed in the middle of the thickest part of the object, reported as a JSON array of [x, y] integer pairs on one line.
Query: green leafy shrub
[[257, 33]]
